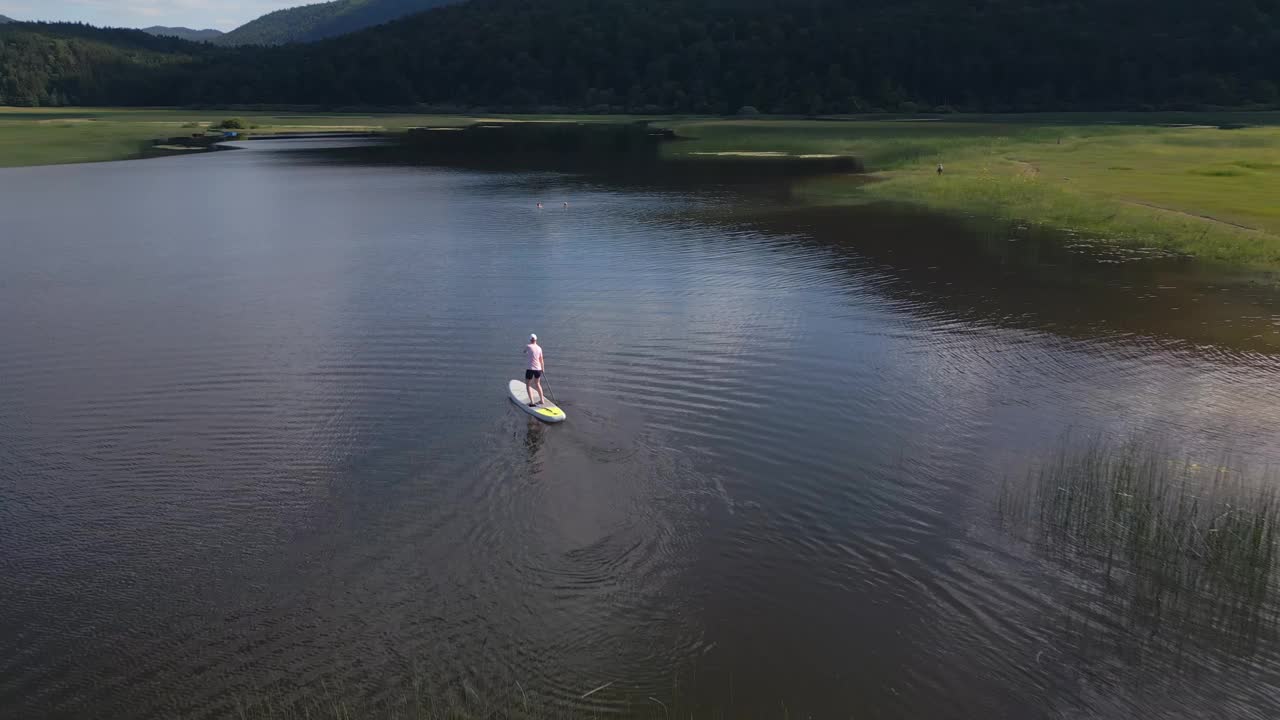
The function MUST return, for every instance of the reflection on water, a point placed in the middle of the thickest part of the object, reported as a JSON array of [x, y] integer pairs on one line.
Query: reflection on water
[[261, 448], [1033, 278]]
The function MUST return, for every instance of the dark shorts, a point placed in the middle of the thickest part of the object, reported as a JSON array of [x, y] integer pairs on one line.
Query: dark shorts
[[531, 374]]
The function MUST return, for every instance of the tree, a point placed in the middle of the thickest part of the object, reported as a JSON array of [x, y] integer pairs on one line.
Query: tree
[[693, 55]]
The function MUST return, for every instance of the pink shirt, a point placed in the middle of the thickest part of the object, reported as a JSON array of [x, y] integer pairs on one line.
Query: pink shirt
[[534, 351]]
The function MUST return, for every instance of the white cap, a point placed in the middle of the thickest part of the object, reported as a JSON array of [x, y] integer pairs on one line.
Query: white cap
[[533, 337]]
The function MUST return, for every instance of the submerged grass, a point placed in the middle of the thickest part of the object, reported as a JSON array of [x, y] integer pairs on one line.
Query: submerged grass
[[1178, 543]]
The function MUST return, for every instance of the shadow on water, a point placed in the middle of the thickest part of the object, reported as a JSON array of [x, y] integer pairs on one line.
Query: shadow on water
[[624, 157], [1184, 554], [535, 437]]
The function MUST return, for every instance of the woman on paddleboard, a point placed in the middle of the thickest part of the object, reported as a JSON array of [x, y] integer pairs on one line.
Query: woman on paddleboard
[[533, 371]]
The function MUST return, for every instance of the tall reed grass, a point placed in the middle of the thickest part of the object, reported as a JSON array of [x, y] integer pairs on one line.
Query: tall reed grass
[[1179, 543]]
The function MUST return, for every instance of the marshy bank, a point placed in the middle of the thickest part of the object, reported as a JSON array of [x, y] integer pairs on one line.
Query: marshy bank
[[1203, 190]]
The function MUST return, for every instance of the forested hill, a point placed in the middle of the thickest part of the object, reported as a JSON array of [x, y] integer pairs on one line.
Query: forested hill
[[316, 22], [792, 56], [184, 33], [4, 20], [72, 64]]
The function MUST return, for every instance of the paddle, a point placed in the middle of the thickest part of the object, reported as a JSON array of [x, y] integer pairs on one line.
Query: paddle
[[547, 388]]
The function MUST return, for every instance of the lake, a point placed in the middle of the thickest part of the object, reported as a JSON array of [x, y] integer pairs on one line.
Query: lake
[[256, 450]]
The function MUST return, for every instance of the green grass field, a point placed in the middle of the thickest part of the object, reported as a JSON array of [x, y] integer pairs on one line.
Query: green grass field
[[1193, 189], [1174, 181]]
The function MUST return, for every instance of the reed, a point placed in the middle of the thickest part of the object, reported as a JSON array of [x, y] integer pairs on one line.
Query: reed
[[1179, 543]]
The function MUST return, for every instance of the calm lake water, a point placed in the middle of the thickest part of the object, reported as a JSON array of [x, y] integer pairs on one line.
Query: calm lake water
[[255, 443]]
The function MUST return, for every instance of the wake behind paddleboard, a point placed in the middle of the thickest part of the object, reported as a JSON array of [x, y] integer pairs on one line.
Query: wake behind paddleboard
[[547, 411]]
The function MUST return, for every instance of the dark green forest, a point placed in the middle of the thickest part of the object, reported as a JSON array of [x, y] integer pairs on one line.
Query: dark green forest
[[71, 64], [706, 56], [323, 20]]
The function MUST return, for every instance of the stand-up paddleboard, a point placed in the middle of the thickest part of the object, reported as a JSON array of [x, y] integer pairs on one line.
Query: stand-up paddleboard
[[546, 412]]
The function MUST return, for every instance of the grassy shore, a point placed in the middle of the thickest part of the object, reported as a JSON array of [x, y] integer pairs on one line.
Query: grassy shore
[[1181, 182], [1196, 189], [52, 136]]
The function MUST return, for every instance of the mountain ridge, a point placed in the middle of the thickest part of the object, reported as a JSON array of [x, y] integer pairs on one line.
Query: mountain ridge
[[319, 21], [185, 33]]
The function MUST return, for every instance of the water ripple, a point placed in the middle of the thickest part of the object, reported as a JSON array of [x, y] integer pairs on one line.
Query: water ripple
[[260, 447]]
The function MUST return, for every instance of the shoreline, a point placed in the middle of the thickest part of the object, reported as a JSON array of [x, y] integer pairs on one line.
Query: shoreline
[[1200, 190]]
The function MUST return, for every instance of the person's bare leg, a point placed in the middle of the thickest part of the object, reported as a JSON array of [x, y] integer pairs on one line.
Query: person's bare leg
[[541, 398], [529, 390]]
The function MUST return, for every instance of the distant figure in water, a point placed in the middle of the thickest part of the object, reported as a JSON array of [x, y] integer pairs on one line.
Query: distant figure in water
[[939, 168], [539, 206], [533, 369], [566, 205]]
